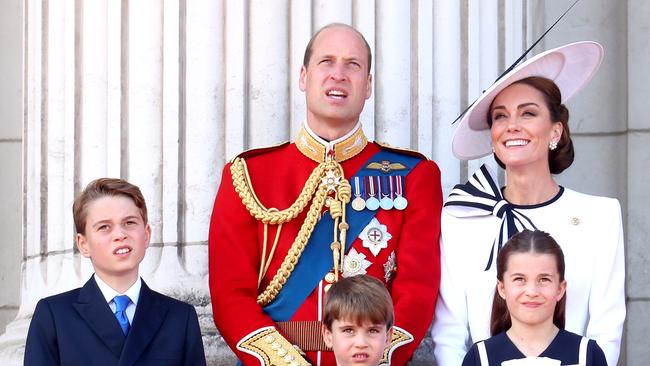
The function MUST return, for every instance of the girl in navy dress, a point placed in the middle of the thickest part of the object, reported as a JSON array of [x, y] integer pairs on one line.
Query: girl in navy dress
[[527, 324]]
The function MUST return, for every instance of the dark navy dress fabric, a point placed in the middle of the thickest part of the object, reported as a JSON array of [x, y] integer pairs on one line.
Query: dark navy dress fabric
[[564, 347]]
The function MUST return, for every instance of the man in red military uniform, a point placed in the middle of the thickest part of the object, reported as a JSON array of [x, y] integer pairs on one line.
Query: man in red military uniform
[[290, 220]]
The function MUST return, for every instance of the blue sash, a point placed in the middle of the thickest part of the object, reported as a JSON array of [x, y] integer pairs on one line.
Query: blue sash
[[316, 259]]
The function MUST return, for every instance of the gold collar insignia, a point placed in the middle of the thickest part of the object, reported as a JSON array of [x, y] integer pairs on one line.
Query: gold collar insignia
[[342, 149]]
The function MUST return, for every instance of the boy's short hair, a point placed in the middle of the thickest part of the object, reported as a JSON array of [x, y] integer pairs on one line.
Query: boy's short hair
[[103, 187], [359, 299]]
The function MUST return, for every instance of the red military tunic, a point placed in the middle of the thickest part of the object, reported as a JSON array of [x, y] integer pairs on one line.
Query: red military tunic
[[409, 265]]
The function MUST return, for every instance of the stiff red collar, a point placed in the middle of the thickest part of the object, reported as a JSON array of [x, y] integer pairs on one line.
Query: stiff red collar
[[341, 149]]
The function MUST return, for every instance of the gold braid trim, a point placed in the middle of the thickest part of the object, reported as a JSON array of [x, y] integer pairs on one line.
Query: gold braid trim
[[290, 261], [242, 184], [272, 349], [400, 337], [336, 206], [316, 187]]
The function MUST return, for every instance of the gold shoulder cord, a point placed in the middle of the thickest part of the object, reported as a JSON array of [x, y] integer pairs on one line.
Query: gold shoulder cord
[[325, 185]]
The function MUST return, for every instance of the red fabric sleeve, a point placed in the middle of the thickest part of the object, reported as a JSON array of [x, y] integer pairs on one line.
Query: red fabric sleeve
[[234, 264], [415, 287]]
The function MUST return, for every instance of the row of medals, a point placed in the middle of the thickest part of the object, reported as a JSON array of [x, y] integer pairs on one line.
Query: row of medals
[[368, 188]]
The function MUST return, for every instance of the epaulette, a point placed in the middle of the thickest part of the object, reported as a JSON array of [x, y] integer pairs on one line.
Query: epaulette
[[401, 150], [259, 150]]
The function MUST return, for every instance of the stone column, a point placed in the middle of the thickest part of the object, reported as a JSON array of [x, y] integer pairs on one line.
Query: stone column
[[638, 180], [11, 132], [107, 91]]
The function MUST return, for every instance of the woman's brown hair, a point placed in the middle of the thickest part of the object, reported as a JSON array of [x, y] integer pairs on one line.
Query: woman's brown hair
[[562, 157], [527, 241]]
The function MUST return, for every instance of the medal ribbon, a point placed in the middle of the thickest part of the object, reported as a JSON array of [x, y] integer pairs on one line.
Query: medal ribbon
[[357, 187]]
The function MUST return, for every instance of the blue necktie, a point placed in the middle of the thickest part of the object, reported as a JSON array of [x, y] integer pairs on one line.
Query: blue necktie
[[121, 302]]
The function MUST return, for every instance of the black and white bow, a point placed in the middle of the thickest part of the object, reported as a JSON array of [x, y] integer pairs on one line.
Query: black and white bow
[[481, 196]]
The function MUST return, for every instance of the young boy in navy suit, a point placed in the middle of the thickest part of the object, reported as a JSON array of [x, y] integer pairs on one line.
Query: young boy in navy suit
[[114, 319]]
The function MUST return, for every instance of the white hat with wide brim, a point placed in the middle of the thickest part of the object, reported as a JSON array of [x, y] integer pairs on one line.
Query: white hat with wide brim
[[570, 67]]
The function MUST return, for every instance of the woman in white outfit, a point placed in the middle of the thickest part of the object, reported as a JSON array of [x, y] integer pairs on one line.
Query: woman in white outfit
[[523, 121]]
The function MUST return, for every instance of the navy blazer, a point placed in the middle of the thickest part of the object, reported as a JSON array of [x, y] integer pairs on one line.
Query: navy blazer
[[78, 328]]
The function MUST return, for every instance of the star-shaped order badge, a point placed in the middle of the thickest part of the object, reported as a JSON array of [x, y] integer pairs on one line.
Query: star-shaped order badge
[[355, 264], [375, 236], [330, 180]]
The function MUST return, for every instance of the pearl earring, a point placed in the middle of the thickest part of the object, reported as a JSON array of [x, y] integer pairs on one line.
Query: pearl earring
[[552, 145]]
